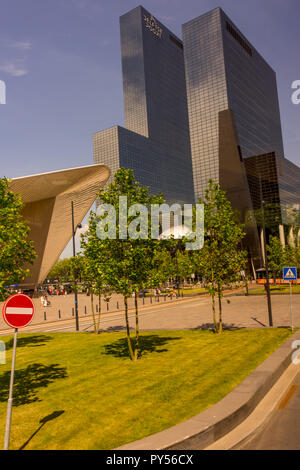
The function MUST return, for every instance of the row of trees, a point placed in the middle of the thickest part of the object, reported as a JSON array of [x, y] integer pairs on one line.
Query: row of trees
[[127, 266], [280, 256]]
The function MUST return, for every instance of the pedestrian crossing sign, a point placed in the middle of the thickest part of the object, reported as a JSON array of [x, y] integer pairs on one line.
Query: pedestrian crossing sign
[[290, 274]]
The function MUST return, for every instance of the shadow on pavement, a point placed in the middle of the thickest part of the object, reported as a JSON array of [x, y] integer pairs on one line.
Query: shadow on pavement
[[226, 326], [28, 381], [112, 329], [259, 322]]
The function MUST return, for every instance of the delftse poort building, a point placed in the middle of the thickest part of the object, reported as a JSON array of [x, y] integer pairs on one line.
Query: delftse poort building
[[156, 141], [204, 107]]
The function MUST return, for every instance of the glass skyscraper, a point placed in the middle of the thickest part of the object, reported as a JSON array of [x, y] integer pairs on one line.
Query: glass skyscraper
[[155, 142], [228, 80], [202, 108]]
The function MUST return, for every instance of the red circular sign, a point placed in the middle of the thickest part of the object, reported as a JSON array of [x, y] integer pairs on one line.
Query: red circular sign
[[18, 310]]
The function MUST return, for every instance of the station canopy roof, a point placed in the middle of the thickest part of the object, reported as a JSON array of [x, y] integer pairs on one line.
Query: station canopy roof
[[47, 198]]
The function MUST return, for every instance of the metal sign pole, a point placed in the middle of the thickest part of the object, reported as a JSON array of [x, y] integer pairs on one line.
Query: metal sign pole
[[10, 398], [291, 308]]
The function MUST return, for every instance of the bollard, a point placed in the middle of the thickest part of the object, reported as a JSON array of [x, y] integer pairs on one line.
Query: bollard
[[107, 306], [117, 305], [45, 316], [59, 316], [72, 312], [150, 299], [85, 309], [97, 308]]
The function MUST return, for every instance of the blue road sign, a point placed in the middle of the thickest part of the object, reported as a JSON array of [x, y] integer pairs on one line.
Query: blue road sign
[[290, 274]]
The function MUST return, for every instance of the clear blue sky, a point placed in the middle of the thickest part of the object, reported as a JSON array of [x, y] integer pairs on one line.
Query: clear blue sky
[[61, 63]]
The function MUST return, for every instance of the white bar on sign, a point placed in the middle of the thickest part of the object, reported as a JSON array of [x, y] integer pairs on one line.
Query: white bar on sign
[[18, 311]]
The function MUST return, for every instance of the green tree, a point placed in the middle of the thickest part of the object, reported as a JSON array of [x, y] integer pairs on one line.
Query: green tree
[[290, 256], [16, 250], [221, 260], [175, 261], [128, 264], [279, 256], [92, 275], [62, 270], [276, 255]]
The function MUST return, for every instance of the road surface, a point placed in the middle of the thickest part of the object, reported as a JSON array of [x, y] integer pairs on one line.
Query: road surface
[[282, 430]]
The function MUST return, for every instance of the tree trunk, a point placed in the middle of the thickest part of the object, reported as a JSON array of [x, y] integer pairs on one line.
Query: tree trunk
[[214, 312], [220, 328], [128, 330], [137, 329], [246, 286], [93, 310], [99, 314]]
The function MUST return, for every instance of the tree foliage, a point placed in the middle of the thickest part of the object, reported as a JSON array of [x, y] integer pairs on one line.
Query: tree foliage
[[16, 250], [280, 256], [126, 264], [221, 260], [62, 270]]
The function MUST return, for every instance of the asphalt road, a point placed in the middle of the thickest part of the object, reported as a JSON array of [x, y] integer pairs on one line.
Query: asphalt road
[[282, 430]]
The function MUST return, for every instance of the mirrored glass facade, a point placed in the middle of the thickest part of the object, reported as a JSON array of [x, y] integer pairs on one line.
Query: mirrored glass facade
[[225, 72], [155, 142], [202, 108]]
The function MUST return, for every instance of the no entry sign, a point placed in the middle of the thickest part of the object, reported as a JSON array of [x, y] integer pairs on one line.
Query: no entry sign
[[18, 310]]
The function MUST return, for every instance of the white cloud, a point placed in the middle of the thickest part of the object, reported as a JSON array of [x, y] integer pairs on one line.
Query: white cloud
[[21, 45], [11, 68]]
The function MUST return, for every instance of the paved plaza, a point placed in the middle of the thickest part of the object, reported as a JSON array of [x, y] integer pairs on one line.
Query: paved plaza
[[239, 311]]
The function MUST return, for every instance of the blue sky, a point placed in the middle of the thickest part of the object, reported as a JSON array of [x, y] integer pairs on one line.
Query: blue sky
[[61, 63]]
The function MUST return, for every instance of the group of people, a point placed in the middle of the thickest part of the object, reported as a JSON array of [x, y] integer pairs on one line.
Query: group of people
[[170, 292], [56, 290]]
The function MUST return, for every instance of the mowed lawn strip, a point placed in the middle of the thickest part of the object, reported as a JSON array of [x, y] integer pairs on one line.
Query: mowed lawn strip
[[81, 391], [281, 289]]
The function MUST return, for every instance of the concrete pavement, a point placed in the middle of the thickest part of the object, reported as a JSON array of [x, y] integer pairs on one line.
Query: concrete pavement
[[241, 312]]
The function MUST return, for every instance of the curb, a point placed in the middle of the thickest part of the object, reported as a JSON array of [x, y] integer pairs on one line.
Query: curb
[[244, 432], [215, 422]]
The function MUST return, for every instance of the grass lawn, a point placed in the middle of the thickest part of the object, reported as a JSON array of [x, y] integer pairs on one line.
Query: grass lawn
[[80, 391], [280, 289], [193, 290], [185, 290]]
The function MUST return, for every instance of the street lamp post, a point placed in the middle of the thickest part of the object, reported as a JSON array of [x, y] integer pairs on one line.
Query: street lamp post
[[75, 272], [266, 256]]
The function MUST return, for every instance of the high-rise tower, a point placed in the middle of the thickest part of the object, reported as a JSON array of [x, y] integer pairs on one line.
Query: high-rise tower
[[155, 142]]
